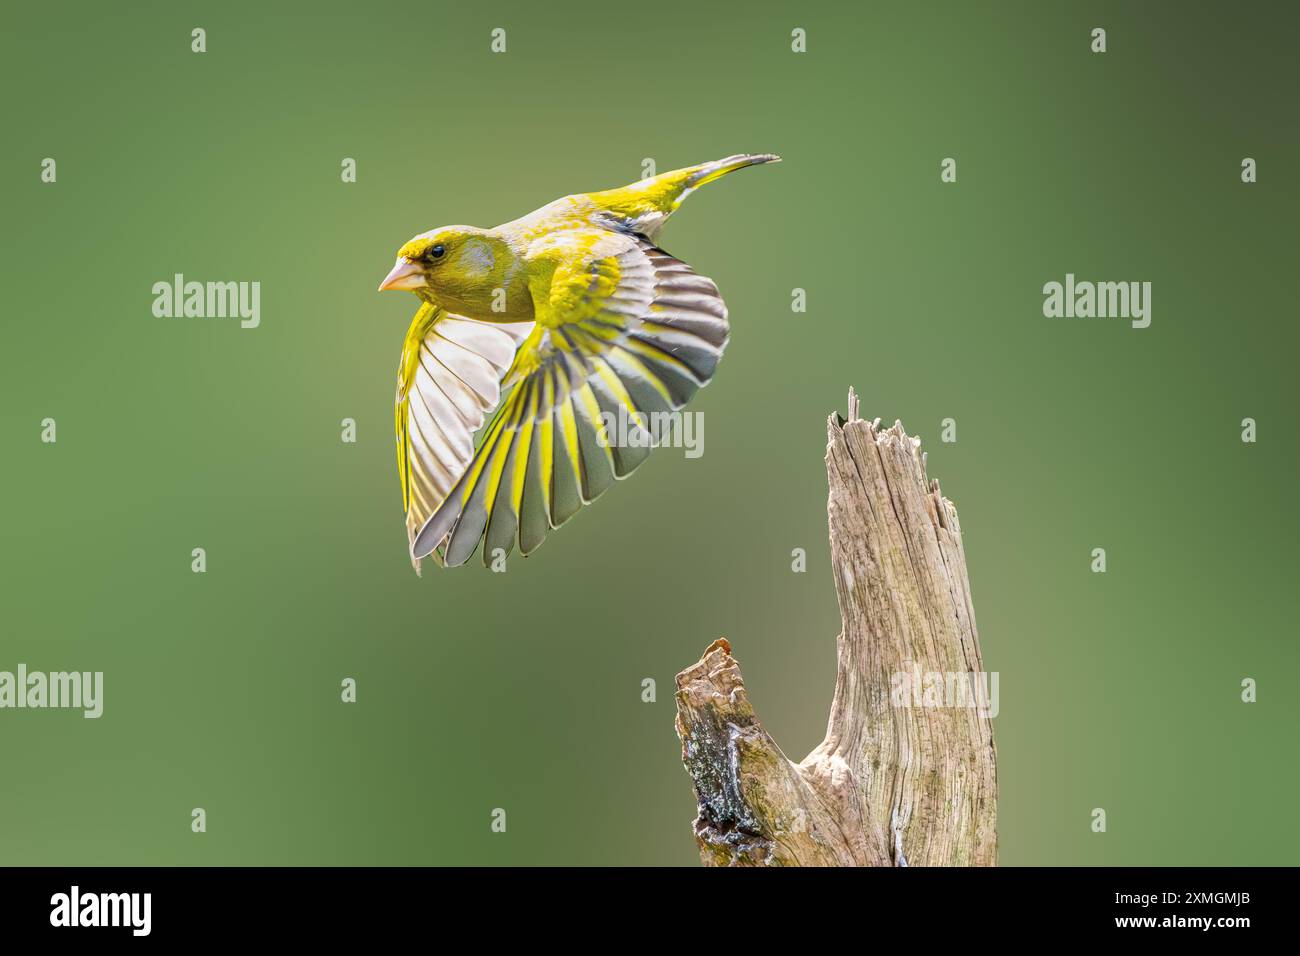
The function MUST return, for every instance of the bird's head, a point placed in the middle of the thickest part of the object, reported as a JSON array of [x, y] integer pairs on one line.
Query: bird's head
[[451, 266]]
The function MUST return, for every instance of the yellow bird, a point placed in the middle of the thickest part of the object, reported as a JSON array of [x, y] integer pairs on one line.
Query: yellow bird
[[554, 325]]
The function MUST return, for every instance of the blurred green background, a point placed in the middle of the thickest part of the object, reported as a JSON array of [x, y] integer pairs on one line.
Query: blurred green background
[[522, 690]]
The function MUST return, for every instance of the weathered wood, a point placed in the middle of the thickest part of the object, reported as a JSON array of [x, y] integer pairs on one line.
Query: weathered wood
[[905, 776]]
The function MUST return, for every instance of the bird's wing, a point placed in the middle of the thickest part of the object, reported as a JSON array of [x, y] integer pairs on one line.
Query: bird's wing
[[626, 327], [448, 382]]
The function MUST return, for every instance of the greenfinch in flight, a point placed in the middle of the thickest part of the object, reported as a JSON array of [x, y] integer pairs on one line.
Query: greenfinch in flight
[[545, 328]]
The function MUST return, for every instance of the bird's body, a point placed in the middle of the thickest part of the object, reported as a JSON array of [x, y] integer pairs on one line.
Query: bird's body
[[551, 324]]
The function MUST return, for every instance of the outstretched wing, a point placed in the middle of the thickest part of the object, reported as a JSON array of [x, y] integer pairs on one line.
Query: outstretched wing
[[627, 332], [448, 382]]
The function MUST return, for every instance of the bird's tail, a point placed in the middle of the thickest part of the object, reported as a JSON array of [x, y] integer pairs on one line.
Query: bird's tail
[[644, 206], [707, 172]]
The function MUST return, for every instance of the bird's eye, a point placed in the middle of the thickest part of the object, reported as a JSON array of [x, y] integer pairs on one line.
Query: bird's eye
[[437, 251]]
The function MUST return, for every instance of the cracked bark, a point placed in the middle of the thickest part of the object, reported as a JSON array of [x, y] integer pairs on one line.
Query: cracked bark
[[906, 775]]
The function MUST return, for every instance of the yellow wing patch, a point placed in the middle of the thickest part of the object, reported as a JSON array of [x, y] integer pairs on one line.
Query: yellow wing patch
[[625, 334]]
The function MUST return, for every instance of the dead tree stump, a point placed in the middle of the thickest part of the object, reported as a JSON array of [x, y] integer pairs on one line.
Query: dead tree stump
[[906, 775]]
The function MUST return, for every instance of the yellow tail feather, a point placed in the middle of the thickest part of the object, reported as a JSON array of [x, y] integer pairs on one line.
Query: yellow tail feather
[[708, 172], [659, 196]]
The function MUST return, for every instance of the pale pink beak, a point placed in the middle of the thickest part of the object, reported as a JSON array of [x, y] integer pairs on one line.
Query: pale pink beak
[[406, 276]]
